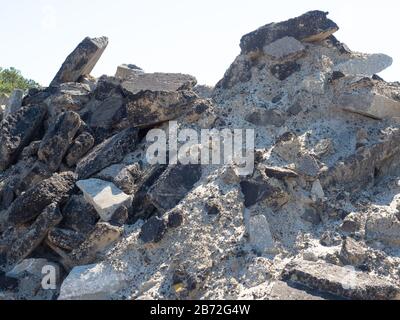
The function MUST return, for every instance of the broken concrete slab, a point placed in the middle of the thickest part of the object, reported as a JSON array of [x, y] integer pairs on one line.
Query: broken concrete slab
[[92, 282], [149, 108], [284, 48], [312, 26], [139, 81], [125, 71], [173, 185], [105, 197], [111, 151], [58, 138], [343, 282], [384, 227], [29, 205], [81, 61], [282, 291], [260, 234], [79, 148], [17, 131], [23, 246], [365, 65]]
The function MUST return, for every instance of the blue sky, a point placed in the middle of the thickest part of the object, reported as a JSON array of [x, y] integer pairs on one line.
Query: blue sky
[[196, 37]]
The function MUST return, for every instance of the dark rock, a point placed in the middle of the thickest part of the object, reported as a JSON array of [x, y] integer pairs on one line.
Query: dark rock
[[142, 207], [266, 118], [255, 192], [79, 215], [17, 131], [37, 173], [173, 185], [330, 239], [29, 241], [335, 76], [111, 151], [280, 173], [81, 61], [238, 72], [378, 78], [175, 219], [58, 138], [285, 70], [339, 281], [153, 230], [342, 47], [148, 108], [295, 109], [30, 204], [213, 209], [312, 216], [140, 81], [80, 147], [7, 283], [65, 239], [120, 217], [312, 26]]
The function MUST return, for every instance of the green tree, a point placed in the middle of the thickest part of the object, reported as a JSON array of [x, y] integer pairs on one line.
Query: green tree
[[12, 78]]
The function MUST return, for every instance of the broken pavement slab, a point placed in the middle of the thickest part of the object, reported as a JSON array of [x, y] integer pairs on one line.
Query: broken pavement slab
[[365, 65], [312, 26], [81, 61], [340, 281], [105, 197]]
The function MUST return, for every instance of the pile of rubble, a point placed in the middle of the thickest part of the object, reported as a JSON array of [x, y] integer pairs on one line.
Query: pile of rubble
[[319, 218]]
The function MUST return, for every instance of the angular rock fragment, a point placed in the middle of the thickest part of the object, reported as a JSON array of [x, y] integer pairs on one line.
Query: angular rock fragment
[[58, 138], [280, 173], [312, 26], [14, 103], [340, 281], [285, 70], [111, 151], [30, 204], [65, 239], [81, 61], [148, 108], [173, 185], [266, 118], [103, 235], [353, 253], [120, 175], [255, 191], [125, 71], [23, 246], [366, 65], [140, 81], [384, 227], [284, 47], [120, 217], [105, 197], [282, 291], [79, 215], [238, 72], [260, 234], [92, 282], [153, 230], [79, 148], [17, 131]]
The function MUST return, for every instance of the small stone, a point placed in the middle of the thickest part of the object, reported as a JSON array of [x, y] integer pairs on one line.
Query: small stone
[[353, 253], [312, 216], [266, 118], [284, 47], [285, 70], [175, 219], [260, 234], [317, 192], [153, 230], [120, 217], [120, 175], [126, 71], [81, 61], [212, 209], [331, 239], [255, 192], [307, 165], [105, 197], [336, 75], [280, 173], [384, 227]]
